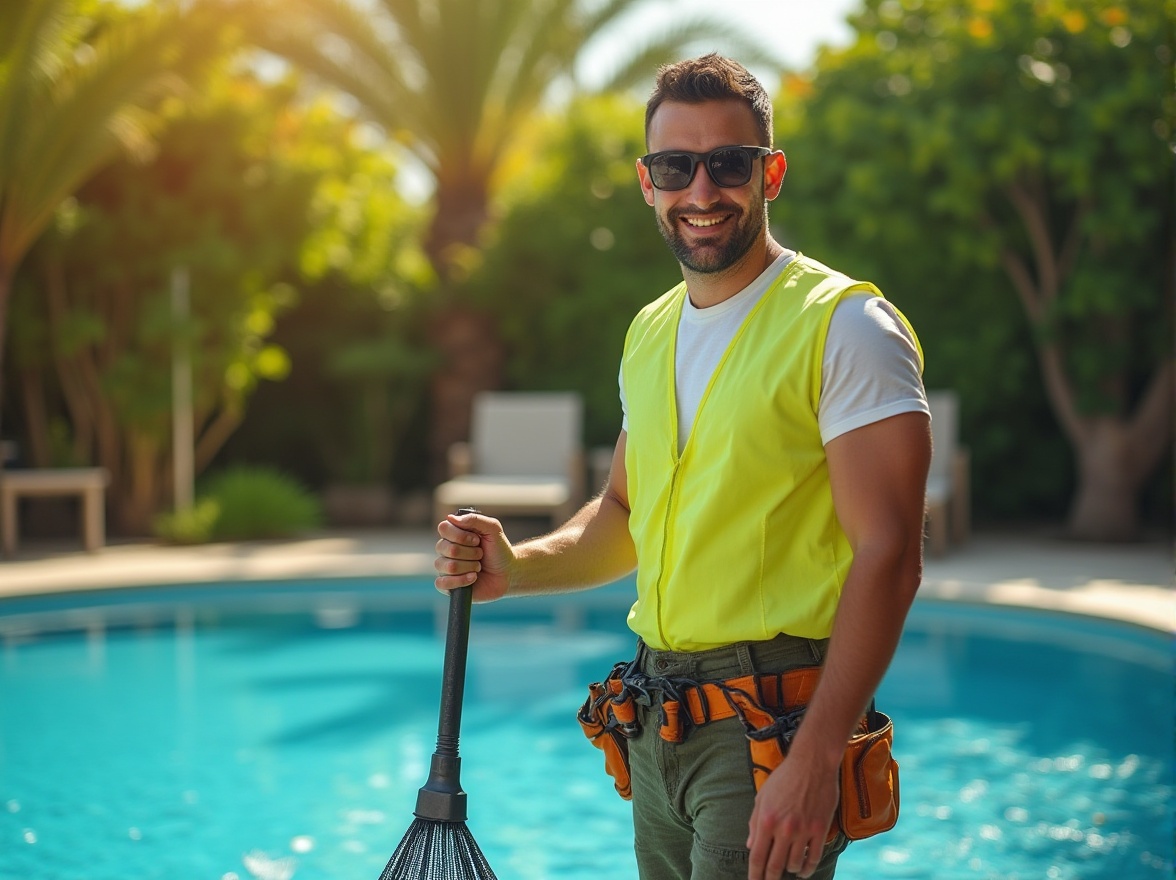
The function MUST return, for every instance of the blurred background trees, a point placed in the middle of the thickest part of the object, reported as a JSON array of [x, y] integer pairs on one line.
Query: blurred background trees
[[1008, 177], [1002, 170], [79, 80], [574, 257], [455, 82], [228, 195]]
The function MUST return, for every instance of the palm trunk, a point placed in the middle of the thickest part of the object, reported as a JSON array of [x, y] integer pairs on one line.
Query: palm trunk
[[138, 496], [5, 292], [467, 338], [473, 360], [36, 416]]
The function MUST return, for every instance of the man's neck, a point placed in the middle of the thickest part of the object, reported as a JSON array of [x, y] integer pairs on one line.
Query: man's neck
[[708, 289]]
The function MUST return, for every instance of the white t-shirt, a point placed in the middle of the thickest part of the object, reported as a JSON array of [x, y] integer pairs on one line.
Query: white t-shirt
[[870, 370]]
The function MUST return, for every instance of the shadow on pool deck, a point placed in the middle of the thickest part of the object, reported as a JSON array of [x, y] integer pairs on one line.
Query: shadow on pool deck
[[1130, 582]]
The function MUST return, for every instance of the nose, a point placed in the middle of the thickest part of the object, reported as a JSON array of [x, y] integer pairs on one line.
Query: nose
[[703, 191]]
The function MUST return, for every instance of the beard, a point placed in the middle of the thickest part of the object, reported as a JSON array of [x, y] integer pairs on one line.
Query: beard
[[711, 258]]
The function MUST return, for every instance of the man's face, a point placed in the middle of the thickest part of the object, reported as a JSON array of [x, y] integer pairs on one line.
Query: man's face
[[707, 227]]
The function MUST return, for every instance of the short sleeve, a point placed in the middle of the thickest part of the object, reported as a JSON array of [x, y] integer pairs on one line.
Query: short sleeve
[[871, 368]]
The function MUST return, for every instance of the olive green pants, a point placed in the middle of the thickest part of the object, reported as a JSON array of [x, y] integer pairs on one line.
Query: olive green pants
[[692, 800]]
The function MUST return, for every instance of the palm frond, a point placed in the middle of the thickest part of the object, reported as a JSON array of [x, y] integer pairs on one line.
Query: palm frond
[[358, 51], [692, 36], [597, 19], [455, 79], [467, 97], [543, 48], [407, 18], [93, 107], [31, 43]]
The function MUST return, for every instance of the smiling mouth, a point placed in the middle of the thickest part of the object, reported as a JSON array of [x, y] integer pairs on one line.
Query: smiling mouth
[[705, 222]]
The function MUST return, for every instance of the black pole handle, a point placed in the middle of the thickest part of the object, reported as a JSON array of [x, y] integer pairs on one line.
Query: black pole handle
[[441, 798], [457, 639]]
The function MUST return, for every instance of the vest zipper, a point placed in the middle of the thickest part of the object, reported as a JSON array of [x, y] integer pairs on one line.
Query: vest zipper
[[661, 572]]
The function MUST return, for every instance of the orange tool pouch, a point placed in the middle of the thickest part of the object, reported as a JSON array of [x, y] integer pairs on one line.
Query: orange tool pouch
[[770, 707], [868, 773], [609, 719], [869, 779]]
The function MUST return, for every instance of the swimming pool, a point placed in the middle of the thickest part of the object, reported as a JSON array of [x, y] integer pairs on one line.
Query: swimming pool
[[282, 730]]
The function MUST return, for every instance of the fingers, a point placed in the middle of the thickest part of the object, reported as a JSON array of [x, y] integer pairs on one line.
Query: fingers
[[470, 524], [458, 544], [459, 553], [768, 857], [760, 846], [776, 857], [803, 858], [775, 850], [445, 583]]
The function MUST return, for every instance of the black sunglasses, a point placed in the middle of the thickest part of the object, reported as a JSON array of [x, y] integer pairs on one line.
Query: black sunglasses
[[672, 170]]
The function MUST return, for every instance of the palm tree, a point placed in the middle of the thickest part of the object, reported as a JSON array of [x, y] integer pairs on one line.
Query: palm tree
[[75, 89], [454, 81]]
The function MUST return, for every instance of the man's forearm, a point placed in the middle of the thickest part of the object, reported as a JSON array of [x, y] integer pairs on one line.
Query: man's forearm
[[594, 547], [874, 604]]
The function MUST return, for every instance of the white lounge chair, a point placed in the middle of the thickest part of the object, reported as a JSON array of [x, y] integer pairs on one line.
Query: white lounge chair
[[525, 457], [948, 483]]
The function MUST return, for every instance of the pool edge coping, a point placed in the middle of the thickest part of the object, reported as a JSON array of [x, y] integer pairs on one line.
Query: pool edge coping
[[1083, 587], [1152, 608]]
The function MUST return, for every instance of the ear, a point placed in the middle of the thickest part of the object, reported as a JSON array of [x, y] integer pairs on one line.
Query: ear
[[775, 167], [646, 183]]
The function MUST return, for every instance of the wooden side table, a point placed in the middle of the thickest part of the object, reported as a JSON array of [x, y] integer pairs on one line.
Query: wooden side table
[[89, 484]]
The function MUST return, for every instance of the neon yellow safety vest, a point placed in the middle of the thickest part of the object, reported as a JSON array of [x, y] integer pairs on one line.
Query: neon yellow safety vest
[[736, 538]]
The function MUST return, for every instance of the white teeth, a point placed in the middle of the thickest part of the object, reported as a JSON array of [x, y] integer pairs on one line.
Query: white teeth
[[694, 221]]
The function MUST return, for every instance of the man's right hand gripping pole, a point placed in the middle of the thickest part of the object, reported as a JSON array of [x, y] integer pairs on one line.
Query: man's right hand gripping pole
[[473, 549]]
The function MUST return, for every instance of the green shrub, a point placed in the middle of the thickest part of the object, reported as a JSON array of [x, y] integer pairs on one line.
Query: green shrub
[[259, 502], [243, 503], [193, 526]]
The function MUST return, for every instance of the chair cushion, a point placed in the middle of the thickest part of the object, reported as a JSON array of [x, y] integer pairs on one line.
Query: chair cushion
[[524, 493]]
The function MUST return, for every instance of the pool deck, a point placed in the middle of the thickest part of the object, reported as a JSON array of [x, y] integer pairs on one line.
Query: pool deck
[[1133, 583]]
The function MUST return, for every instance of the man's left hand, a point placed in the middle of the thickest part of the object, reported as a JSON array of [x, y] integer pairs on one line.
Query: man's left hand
[[793, 811]]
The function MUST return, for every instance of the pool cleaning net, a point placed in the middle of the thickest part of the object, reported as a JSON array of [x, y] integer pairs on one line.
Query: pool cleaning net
[[437, 851]]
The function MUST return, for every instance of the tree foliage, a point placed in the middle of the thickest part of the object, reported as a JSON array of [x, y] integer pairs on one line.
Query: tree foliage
[[244, 181], [576, 255], [350, 410], [79, 81], [975, 154], [901, 172], [455, 81]]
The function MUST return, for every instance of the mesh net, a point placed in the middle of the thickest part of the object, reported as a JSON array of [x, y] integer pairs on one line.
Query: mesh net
[[437, 851]]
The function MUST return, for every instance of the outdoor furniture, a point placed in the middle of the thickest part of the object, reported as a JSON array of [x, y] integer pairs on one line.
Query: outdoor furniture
[[949, 482], [88, 484], [525, 457]]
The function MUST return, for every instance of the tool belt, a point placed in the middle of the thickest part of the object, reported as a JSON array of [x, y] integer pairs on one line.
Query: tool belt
[[770, 706]]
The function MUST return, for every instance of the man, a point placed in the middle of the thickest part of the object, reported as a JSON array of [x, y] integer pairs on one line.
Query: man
[[767, 485]]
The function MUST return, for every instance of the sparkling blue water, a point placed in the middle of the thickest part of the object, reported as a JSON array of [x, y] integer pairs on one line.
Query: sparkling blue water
[[282, 731]]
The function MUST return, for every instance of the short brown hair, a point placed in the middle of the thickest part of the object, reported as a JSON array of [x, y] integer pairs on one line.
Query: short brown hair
[[711, 78]]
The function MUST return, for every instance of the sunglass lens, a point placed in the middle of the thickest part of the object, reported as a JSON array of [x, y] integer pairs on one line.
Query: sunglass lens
[[672, 171], [730, 167]]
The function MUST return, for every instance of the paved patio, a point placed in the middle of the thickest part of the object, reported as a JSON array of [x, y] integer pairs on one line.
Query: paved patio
[[1132, 583]]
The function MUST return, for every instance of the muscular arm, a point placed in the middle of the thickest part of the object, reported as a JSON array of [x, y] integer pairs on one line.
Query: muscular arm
[[878, 475], [592, 548]]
